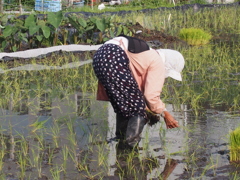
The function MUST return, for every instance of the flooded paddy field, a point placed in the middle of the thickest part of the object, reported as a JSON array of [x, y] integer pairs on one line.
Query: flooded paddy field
[[52, 140], [53, 128]]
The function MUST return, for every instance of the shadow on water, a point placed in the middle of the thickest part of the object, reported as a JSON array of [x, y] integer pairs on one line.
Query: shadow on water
[[199, 148]]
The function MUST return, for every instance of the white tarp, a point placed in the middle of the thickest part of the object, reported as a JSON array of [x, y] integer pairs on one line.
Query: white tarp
[[41, 51]]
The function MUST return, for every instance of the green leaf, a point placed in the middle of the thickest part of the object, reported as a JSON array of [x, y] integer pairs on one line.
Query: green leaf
[[89, 41], [19, 23], [55, 19], [46, 31], [23, 37], [7, 31], [100, 25], [73, 22], [130, 33], [108, 19], [4, 19], [41, 23], [30, 21], [82, 22], [125, 30], [14, 48], [4, 44], [105, 39], [93, 19], [119, 30], [39, 37], [111, 33], [33, 29], [89, 28]]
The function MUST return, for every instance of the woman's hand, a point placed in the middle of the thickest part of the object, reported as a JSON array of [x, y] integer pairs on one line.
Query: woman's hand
[[169, 120], [152, 118]]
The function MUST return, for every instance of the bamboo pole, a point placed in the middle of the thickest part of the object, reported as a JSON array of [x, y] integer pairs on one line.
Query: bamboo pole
[[70, 3], [20, 6], [1, 6]]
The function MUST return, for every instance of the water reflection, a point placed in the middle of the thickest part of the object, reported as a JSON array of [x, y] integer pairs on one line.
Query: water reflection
[[163, 153], [156, 147]]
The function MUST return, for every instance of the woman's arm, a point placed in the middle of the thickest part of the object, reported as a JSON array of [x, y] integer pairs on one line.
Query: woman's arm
[[153, 85]]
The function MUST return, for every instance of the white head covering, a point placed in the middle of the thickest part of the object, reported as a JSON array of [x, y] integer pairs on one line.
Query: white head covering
[[173, 61]]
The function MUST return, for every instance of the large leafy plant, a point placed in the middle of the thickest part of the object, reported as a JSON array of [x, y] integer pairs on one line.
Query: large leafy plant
[[14, 34], [53, 28], [45, 27], [95, 30]]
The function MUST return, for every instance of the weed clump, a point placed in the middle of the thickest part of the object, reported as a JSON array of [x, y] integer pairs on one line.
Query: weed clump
[[195, 36], [235, 145]]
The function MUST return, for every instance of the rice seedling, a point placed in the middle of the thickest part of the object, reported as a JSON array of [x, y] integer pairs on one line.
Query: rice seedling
[[38, 125], [36, 161], [55, 133], [22, 162], [2, 152], [71, 134], [234, 175], [80, 160], [74, 158], [145, 144], [102, 155], [65, 154], [195, 36], [48, 155], [235, 145], [56, 172]]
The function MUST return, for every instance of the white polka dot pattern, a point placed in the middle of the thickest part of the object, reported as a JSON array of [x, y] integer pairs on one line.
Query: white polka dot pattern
[[111, 66]]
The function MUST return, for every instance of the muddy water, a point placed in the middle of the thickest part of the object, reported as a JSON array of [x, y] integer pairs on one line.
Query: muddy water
[[197, 150]]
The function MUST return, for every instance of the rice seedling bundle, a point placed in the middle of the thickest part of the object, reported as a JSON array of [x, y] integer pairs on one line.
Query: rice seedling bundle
[[235, 145], [195, 36]]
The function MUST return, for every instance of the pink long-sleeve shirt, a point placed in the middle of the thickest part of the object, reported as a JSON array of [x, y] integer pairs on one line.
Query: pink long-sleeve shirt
[[148, 70]]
